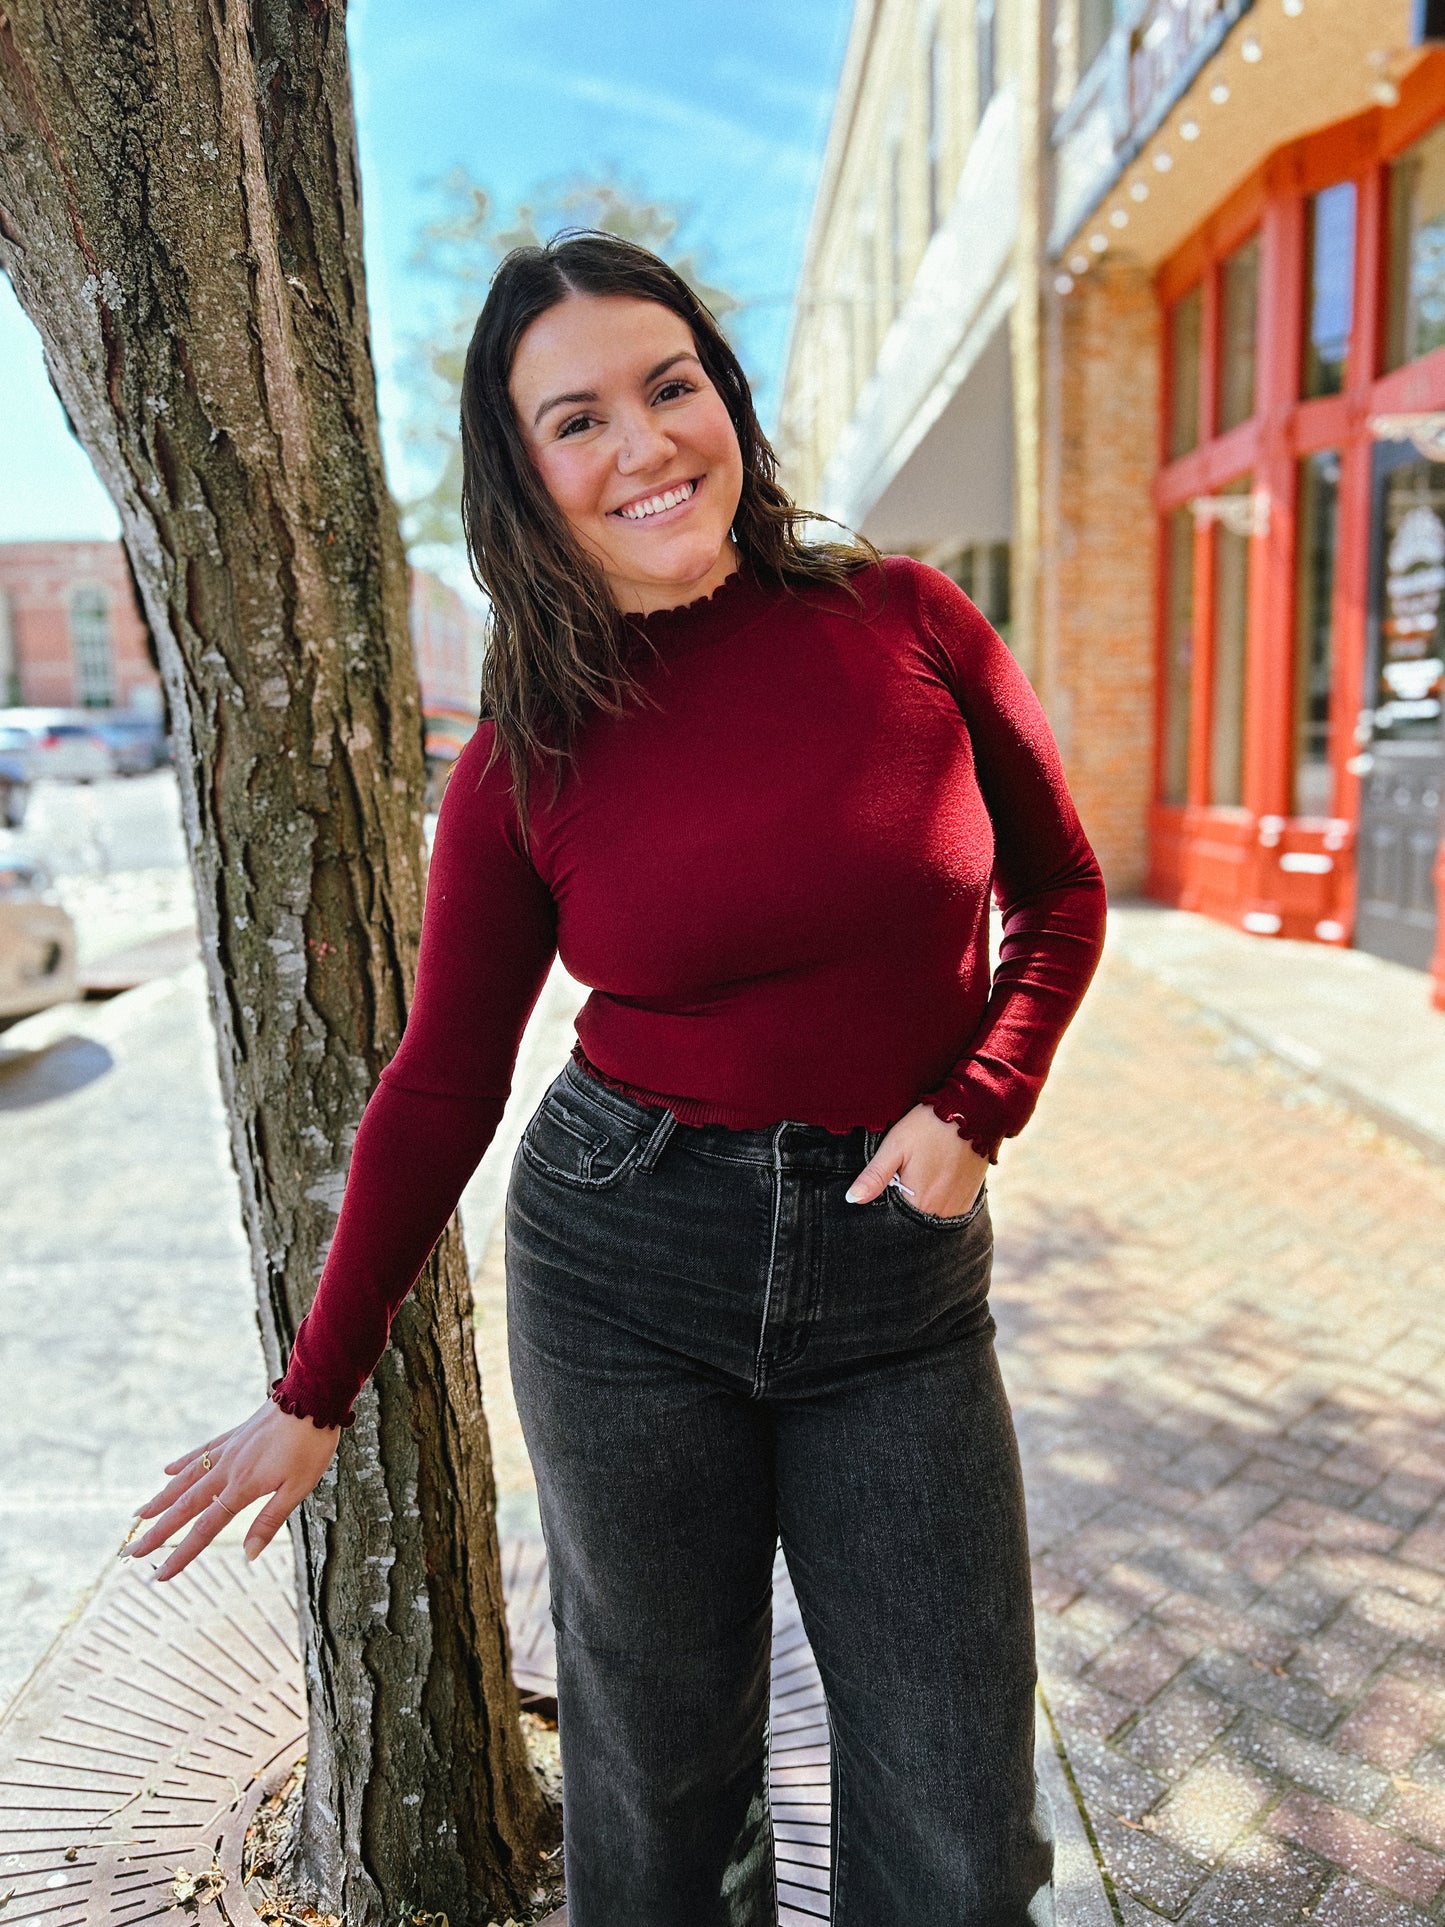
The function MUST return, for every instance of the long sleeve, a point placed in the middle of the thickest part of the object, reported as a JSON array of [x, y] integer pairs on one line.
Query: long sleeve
[[488, 939], [1047, 882]]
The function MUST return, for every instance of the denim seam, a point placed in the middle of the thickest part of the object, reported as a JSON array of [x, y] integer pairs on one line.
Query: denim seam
[[772, 1258]]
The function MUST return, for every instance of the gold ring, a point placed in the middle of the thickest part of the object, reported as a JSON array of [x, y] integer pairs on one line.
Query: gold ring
[[205, 1461], [218, 1500]]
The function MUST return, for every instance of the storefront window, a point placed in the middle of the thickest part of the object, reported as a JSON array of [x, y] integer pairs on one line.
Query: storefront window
[[1186, 320], [1329, 288], [1319, 503], [1410, 658], [1178, 657], [1239, 302], [1231, 630], [1417, 252]]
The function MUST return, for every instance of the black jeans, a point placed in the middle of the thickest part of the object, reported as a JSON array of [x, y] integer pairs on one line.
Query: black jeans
[[711, 1349]]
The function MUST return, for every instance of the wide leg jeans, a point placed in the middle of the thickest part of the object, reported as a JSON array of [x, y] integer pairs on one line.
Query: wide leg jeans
[[712, 1350]]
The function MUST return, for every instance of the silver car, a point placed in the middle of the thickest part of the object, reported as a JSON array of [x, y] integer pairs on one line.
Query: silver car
[[37, 941], [71, 752]]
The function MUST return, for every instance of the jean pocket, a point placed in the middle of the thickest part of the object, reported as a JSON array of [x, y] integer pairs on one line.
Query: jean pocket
[[931, 1219], [583, 1144]]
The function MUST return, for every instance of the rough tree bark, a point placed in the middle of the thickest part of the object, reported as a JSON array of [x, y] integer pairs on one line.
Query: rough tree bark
[[180, 216]]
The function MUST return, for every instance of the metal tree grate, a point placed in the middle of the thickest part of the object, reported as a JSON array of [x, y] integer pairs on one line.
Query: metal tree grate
[[160, 1721]]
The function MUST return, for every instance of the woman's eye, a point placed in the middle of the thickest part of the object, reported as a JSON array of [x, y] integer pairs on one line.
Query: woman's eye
[[671, 389], [574, 425]]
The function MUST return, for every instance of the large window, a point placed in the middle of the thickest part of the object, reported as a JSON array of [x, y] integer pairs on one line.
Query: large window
[[1239, 333], [1410, 657], [983, 571], [1231, 638], [1186, 319], [895, 227], [937, 122], [1178, 658], [90, 639], [1417, 252], [1329, 288], [986, 50], [1314, 656], [1096, 19]]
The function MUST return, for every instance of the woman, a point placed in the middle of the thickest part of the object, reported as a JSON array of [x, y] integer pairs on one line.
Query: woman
[[756, 792]]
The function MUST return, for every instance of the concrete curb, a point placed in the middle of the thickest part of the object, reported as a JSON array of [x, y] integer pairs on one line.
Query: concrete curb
[[1081, 1897], [1349, 1024]]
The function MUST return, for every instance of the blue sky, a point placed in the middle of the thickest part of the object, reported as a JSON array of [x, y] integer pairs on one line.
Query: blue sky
[[720, 106]]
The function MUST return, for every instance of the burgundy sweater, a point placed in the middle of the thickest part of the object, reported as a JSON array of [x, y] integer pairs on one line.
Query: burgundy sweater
[[775, 878]]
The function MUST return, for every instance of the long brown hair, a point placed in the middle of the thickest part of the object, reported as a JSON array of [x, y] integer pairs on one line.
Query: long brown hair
[[558, 647]]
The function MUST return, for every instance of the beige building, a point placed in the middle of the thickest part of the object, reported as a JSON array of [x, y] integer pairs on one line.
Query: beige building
[[1153, 292], [897, 414]]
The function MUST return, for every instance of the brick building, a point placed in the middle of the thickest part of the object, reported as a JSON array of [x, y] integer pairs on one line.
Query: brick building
[[71, 636], [1160, 301]]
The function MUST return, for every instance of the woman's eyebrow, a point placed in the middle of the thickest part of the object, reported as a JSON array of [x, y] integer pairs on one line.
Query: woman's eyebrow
[[590, 394]]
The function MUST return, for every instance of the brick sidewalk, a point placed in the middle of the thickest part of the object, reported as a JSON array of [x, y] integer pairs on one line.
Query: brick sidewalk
[[1220, 1301]]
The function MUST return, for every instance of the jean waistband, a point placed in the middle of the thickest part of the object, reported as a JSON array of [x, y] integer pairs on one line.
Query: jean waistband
[[791, 1144]]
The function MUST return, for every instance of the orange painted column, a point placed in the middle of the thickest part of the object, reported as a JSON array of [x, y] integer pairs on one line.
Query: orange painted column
[[1270, 663]]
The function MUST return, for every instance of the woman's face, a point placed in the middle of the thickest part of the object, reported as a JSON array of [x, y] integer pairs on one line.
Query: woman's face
[[633, 444]]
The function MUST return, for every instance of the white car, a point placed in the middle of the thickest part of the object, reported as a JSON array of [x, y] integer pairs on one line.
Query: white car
[[37, 942], [71, 752]]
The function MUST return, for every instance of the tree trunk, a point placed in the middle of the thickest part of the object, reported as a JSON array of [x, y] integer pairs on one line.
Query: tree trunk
[[180, 216]]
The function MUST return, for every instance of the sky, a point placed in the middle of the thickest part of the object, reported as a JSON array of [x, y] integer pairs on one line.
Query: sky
[[719, 107]]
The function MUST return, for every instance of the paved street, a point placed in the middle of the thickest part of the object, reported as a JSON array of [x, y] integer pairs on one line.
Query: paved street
[[1221, 1301]]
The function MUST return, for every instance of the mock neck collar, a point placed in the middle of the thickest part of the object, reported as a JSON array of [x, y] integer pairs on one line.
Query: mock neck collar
[[736, 600]]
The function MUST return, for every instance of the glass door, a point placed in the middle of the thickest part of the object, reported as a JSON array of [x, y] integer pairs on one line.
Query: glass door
[[1403, 765]]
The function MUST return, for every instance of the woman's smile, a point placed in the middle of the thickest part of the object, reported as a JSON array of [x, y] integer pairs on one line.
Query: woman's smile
[[660, 505]]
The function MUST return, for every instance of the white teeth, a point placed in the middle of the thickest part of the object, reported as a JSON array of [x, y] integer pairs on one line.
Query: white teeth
[[656, 504]]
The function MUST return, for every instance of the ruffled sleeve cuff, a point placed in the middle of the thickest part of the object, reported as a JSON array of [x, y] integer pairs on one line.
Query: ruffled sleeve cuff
[[944, 1104], [303, 1407]]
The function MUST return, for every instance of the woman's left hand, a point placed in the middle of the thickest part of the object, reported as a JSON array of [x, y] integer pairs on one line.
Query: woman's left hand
[[941, 1172]]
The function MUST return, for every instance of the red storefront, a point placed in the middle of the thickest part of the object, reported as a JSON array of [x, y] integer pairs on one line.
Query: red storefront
[[1301, 496]]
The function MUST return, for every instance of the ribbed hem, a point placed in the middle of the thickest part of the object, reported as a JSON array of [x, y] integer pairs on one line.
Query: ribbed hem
[[301, 1408]]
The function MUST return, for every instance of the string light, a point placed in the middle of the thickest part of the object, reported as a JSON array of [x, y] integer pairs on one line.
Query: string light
[[1219, 93], [1294, 8], [1139, 191], [1099, 242], [1119, 218], [1079, 263], [1251, 50], [1063, 284], [1189, 130], [1163, 161]]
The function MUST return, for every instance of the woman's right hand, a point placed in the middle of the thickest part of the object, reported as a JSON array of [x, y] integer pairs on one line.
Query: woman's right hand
[[271, 1453]]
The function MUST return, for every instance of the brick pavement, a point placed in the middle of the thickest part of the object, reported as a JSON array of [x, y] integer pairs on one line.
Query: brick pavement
[[1219, 1294]]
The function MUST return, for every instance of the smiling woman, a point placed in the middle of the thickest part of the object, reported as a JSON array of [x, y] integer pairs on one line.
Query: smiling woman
[[644, 462], [639, 414], [747, 1235]]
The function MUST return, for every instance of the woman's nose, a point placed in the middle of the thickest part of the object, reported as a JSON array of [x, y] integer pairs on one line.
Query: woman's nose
[[642, 445]]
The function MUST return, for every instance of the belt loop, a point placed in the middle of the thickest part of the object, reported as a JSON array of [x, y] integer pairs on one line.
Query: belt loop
[[665, 1127]]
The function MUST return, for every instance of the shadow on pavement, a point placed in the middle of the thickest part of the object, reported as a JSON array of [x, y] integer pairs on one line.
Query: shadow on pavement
[[32, 1077]]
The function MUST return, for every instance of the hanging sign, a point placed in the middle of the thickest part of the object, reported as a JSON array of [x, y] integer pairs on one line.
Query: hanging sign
[[1426, 431], [1241, 514]]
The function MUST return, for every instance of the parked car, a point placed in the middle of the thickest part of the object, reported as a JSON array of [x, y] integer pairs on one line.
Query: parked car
[[136, 743], [66, 751], [14, 777], [37, 941]]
